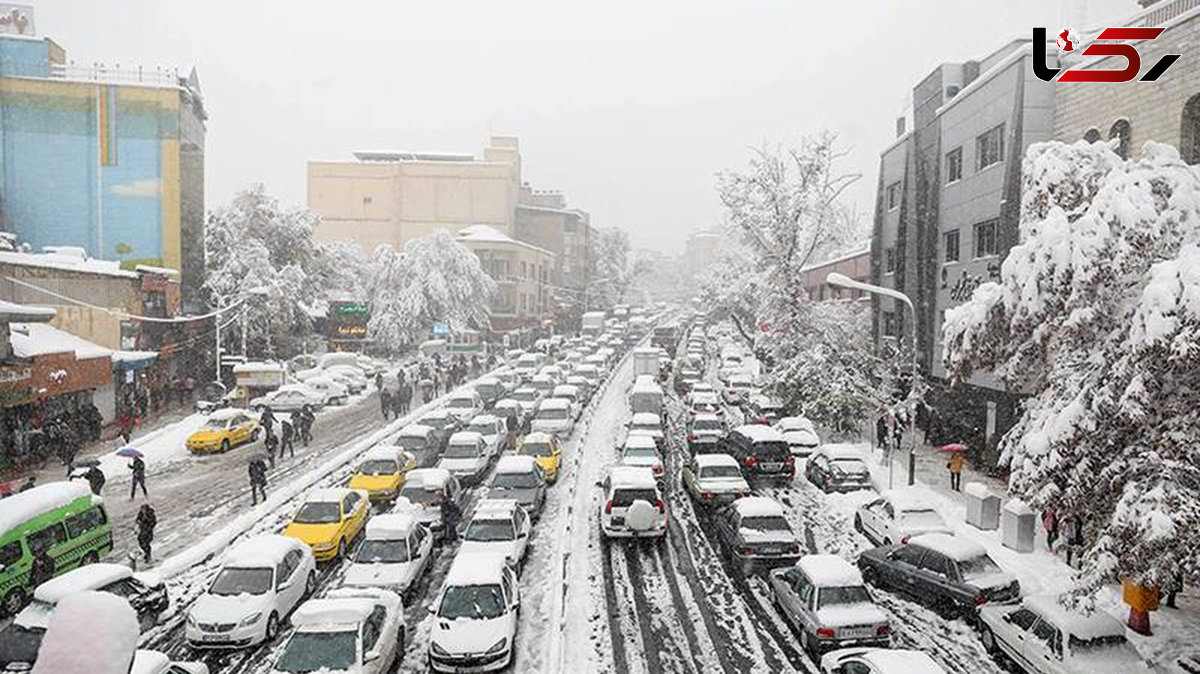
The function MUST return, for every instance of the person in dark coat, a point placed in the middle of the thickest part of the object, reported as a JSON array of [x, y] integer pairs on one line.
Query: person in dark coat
[[398, 403], [267, 419], [42, 568], [385, 403], [138, 468], [287, 434], [147, 519], [271, 443], [126, 426], [379, 381], [95, 478], [451, 514], [304, 424], [258, 480], [881, 433], [513, 425]]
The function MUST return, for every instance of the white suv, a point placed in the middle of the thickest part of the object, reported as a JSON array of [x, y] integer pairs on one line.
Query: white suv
[[475, 616], [260, 582], [633, 506]]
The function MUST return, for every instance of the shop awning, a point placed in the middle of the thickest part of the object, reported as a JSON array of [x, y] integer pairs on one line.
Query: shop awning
[[124, 361]]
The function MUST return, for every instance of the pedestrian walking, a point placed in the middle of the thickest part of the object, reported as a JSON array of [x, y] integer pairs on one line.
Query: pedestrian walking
[[271, 443], [881, 432], [95, 478], [287, 434], [267, 419], [305, 424], [379, 381], [398, 403], [42, 568], [138, 468], [955, 466], [147, 519], [258, 480], [451, 514], [1073, 530], [126, 426], [1050, 523], [513, 425], [1174, 589], [385, 403]]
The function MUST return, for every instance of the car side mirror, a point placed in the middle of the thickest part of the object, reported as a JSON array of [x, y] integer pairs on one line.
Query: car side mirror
[[371, 656], [600, 484], [432, 608], [522, 535]]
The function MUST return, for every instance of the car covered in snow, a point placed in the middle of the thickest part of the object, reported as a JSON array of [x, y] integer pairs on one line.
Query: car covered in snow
[[349, 630], [420, 440], [423, 493], [879, 661], [521, 479], [381, 470], [491, 427], [572, 393], [950, 574], [704, 402], [157, 662], [632, 504], [738, 389], [260, 582], [467, 457], [490, 389], [329, 519], [756, 533], [395, 551], [465, 404], [642, 450], [223, 430], [714, 479], [824, 598], [349, 376], [1041, 636], [761, 452], [555, 416], [506, 407], [542, 383], [545, 449], [838, 468], [290, 398], [704, 431], [444, 423], [897, 515], [584, 386], [647, 424], [760, 409], [498, 526], [800, 435], [528, 398], [335, 393], [475, 616]]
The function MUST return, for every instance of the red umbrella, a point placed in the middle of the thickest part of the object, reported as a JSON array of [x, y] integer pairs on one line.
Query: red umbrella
[[956, 447]]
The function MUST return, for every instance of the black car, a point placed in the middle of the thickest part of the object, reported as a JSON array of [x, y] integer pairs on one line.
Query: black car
[[761, 452], [755, 532], [19, 642], [837, 469], [949, 574]]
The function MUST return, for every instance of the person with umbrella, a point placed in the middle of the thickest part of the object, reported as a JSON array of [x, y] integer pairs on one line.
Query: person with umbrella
[[958, 459], [258, 479], [267, 419], [138, 468], [147, 519], [513, 425], [271, 443], [398, 402]]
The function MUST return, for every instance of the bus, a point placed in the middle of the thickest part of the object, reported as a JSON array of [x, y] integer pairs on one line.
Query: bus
[[65, 519]]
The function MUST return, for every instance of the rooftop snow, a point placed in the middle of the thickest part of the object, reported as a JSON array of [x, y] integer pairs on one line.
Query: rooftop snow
[[637, 477], [909, 662], [256, 366], [26, 505], [342, 611], [383, 453], [390, 526], [92, 632], [516, 463], [830, 571], [493, 508], [841, 452], [265, 550], [415, 431], [706, 460], [537, 436], [38, 339], [1098, 624], [910, 498], [957, 548], [225, 414], [489, 234], [82, 579], [759, 433], [327, 495], [466, 438], [640, 441], [555, 404], [757, 506], [477, 569], [427, 478], [66, 258], [19, 312]]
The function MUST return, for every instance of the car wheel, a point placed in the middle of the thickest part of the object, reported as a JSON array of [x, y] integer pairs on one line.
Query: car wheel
[[887, 541], [147, 620], [254, 436], [858, 525], [224, 446], [807, 644], [988, 639], [90, 558], [272, 626], [310, 586], [13, 602]]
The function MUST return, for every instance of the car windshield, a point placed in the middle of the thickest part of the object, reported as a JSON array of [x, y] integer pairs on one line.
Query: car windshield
[[765, 523], [921, 519], [771, 451], [421, 495], [623, 498], [976, 568], [514, 481], [461, 404], [525, 396], [552, 413], [35, 617], [436, 421], [318, 513], [488, 531], [647, 427], [706, 425], [217, 424], [378, 467], [720, 471], [1098, 647], [474, 602], [535, 449], [462, 450], [381, 551], [319, 651], [640, 452], [234, 581], [849, 465], [836, 596]]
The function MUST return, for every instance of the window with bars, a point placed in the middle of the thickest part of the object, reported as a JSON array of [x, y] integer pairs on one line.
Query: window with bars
[[950, 246], [893, 196], [986, 241], [954, 165], [989, 147]]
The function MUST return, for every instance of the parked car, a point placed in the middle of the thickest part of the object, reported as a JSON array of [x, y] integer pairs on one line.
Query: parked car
[[756, 533], [223, 430], [760, 451], [714, 479], [475, 616], [642, 450], [738, 388], [466, 457], [838, 468], [555, 416], [799, 434], [444, 423], [898, 515], [632, 505], [21, 639], [349, 376], [879, 661], [464, 404], [260, 582], [648, 424], [950, 574], [395, 551], [704, 432], [824, 598], [381, 471], [289, 398], [491, 427], [334, 392], [351, 630], [423, 493], [329, 520], [546, 449], [423, 442], [528, 398], [490, 389], [1041, 636], [498, 526], [521, 479]]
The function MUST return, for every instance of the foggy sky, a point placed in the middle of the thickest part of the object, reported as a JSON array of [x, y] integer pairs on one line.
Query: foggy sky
[[627, 107]]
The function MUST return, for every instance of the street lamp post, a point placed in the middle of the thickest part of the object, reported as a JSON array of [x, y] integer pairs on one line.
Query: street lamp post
[[843, 281]]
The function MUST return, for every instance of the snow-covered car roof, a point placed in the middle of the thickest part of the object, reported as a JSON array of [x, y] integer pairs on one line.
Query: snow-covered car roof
[[26, 505], [958, 548], [759, 433], [439, 413], [642, 418], [149, 662], [841, 452], [415, 431], [1098, 624], [226, 413], [706, 416], [555, 404], [383, 453], [482, 568], [830, 571], [82, 579], [910, 498], [341, 611], [487, 381], [640, 441], [566, 390], [793, 424], [758, 506], [709, 460], [466, 438], [506, 403], [391, 526], [427, 478], [527, 389], [516, 463], [495, 509], [638, 477], [465, 394], [542, 378], [264, 550], [537, 436], [484, 418], [327, 495], [646, 386], [886, 660]]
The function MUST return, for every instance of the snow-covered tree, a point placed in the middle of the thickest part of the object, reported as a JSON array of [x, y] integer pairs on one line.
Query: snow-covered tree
[[610, 271], [434, 278], [1097, 316]]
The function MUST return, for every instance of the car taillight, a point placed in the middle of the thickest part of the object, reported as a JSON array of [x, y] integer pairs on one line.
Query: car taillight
[[746, 552], [789, 461], [761, 420], [658, 469], [662, 507], [904, 539], [883, 630], [980, 600], [692, 437], [826, 632], [751, 462], [608, 508]]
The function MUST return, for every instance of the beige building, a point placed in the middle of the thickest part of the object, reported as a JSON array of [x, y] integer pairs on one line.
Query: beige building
[[521, 270], [392, 197], [544, 220]]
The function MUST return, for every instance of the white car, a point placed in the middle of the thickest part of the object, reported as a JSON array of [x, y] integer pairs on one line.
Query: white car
[[491, 427], [648, 424], [423, 492], [897, 515], [156, 662], [498, 526], [351, 630], [554, 415], [543, 384], [572, 393], [878, 661], [394, 553], [738, 389], [466, 457], [704, 402], [527, 364], [800, 435], [528, 398], [464, 404], [632, 505], [641, 450], [714, 479], [475, 616], [554, 372], [824, 598], [352, 375], [260, 582], [590, 372], [290, 398], [335, 393], [1043, 637], [705, 430]]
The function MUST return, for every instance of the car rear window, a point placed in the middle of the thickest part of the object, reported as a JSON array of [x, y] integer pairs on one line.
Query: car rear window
[[623, 498], [771, 451]]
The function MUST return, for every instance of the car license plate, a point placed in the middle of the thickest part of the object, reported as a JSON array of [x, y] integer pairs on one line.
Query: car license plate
[[771, 467], [770, 550], [212, 637], [855, 632], [618, 521]]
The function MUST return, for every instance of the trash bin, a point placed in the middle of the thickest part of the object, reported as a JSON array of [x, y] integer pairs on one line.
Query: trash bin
[[983, 507], [1017, 526]]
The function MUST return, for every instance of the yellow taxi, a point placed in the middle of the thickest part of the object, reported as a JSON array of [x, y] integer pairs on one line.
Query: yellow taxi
[[329, 520], [544, 448], [382, 471], [223, 430]]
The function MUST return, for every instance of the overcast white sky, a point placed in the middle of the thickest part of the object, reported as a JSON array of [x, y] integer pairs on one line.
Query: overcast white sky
[[629, 107]]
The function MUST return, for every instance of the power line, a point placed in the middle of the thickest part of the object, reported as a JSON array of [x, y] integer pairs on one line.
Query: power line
[[122, 314]]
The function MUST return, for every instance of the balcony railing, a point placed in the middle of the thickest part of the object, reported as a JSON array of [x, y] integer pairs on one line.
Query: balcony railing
[[99, 73]]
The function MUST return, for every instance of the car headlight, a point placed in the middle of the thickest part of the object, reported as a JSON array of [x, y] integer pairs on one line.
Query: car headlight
[[323, 546], [498, 647], [438, 650], [250, 620], [191, 620]]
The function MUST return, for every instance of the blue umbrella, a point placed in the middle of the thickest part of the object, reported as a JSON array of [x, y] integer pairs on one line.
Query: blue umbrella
[[129, 452]]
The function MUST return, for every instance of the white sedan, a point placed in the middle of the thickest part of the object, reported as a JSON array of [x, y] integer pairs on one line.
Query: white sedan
[[350, 630], [289, 398], [897, 515], [878, 661]]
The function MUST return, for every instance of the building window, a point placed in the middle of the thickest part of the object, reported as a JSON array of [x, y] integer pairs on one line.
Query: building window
[[366, 201], [890, 329], [1092, 135], [1122, 132], [1189, 131], [989, 147], [986, 243], [524, 271], [954, 165], [893, 196], [950, 246], [889, 260]]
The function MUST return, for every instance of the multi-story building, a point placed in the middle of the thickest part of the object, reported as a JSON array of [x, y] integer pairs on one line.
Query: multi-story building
[[854, 262], [522, 272], [111, 161], [543, 219], [700, 251]]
